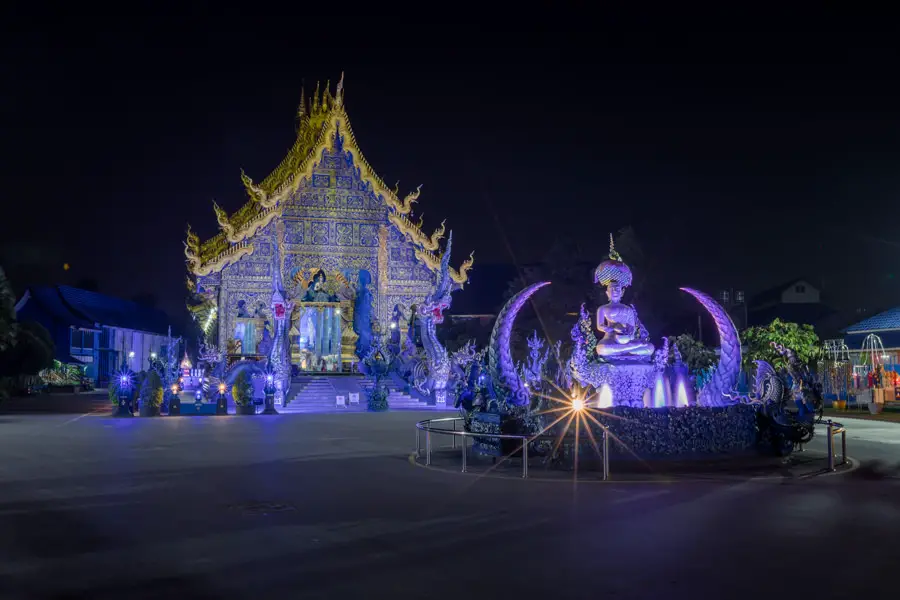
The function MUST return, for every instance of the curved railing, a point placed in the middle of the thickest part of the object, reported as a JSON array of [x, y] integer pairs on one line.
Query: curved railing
[[835, 428], [428, 427]]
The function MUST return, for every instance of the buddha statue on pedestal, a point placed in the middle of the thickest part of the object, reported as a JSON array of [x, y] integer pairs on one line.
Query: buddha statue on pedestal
[[624, 336]]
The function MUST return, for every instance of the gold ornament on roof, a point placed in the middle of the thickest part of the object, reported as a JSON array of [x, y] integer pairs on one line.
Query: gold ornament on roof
[[320, 119]]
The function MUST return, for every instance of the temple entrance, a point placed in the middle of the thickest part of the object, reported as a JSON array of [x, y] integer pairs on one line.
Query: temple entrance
[[317, 334]]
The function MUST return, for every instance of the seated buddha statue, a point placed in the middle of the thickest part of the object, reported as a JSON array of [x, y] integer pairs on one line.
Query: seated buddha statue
[[623, 333]]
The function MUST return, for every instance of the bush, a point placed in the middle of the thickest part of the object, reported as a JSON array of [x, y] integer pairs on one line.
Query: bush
[[151, 390], [242, 390], [378, 398]]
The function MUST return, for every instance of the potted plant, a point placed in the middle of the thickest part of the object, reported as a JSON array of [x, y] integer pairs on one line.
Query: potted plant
[[242, 392], [151, 395]]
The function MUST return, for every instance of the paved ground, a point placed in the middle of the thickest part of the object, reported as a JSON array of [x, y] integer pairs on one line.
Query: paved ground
[[328, 506]]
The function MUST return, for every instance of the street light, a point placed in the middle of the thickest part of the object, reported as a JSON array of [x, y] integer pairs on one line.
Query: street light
[[131, 354], [153, 355]]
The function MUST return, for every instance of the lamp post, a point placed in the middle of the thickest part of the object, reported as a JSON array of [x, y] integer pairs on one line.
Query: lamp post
[[123, 385], [174, 402], [221, 401], [270, 395]]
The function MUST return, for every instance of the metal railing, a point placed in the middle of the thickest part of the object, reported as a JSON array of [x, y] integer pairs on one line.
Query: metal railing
[[835, 428], [427, 427]]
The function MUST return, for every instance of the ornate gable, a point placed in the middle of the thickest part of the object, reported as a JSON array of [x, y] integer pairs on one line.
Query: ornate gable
[[325, 146]]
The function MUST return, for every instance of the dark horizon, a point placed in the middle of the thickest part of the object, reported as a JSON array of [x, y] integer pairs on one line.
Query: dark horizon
[[740, 160]]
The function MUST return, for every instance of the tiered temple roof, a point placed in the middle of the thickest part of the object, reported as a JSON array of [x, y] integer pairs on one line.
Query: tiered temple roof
[[320, 120]]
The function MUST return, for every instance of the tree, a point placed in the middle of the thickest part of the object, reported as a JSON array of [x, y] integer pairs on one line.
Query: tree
[[151, 390], [242, 390], [695, 354], [802, 339], [7, 313]]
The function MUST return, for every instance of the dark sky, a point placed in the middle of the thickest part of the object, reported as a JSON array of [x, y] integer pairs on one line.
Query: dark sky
[[741, 158]]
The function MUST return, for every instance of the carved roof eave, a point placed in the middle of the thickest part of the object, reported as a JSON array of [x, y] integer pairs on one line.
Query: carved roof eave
[[229, 257], [272, 203], [414, 232], [433, 262]]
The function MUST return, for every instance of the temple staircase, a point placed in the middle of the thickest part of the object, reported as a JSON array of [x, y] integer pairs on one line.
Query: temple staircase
[[317, 394]]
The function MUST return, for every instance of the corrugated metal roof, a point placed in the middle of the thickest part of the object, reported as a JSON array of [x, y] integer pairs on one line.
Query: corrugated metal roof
[[889, 319], [889, 339]]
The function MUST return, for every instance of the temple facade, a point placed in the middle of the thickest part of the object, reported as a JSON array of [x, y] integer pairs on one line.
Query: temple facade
[[321, 257]]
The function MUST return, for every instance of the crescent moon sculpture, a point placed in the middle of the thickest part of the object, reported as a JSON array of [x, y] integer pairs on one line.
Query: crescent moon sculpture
[[725, 378], [499, 356]]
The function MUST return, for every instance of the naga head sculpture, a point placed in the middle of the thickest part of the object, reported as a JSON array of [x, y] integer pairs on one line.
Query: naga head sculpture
[[439, 300]]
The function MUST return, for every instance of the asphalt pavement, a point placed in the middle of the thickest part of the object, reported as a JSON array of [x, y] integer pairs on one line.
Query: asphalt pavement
[[330, 506]]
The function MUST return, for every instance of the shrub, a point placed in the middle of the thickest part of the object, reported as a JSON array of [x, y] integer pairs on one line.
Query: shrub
[[151, 390], [378, 398], [242, 390]]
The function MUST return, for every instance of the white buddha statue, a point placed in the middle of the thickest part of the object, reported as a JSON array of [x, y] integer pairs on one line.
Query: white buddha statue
[[624, 337]]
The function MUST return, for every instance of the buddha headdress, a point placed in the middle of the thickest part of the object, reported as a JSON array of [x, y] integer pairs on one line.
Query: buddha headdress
[[613, 269]]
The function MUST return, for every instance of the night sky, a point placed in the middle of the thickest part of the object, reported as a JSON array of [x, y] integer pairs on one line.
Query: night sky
[[741, 159]]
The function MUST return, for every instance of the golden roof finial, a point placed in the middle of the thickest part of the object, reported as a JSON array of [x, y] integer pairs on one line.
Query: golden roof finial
[[612, 249], [301, 110], [326, 96], [339, 92], [315, 100]]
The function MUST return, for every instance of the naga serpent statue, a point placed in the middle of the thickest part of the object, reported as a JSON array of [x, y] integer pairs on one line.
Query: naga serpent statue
[[509, 386], [726, 374], [431, 313]]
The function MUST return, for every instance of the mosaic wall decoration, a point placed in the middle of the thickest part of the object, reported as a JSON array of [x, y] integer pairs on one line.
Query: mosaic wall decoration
[[331, 222]]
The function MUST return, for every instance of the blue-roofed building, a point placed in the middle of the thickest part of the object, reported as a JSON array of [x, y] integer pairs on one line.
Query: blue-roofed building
[[95, 330], [886, 325]]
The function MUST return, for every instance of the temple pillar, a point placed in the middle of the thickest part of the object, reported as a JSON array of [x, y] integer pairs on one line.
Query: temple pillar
[[320, 325], [336, 335], [326, 331]]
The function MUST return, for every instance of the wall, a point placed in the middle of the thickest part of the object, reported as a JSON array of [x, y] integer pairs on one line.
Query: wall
[[125, 341], [800, 292]]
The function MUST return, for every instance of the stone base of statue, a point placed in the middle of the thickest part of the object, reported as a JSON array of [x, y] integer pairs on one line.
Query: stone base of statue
[[174, 406], [221, 405], [270, 405], [618, 382], [123, 409]]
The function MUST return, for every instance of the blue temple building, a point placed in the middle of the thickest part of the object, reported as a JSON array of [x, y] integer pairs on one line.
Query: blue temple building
[[322, 248]]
